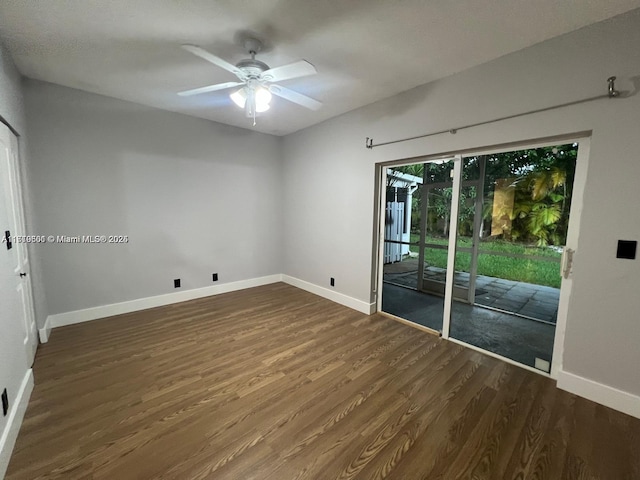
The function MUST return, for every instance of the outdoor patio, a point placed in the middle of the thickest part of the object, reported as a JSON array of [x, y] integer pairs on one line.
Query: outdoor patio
[[505, 334], [537, 302]]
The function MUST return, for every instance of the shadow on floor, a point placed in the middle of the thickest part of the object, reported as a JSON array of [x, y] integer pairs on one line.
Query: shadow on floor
[[513, 337]]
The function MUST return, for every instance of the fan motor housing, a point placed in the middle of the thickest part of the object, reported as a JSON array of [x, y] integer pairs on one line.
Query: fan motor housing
[[252, 67]]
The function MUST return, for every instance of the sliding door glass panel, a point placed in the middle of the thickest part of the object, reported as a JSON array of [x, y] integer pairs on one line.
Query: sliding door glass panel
[[415, 252], [512, 227], [402, 220], [401, 226]]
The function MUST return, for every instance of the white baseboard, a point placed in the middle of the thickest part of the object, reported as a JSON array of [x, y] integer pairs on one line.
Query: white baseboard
[[359, 305], [94, 313], [45, 331], [16, 415], [88, 314], [600, 393]]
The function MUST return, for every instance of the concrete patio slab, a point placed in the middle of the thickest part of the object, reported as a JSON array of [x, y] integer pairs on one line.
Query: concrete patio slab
[[539, 302]]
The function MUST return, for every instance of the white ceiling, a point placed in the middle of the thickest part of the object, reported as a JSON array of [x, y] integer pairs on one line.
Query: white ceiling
[[364, 50]]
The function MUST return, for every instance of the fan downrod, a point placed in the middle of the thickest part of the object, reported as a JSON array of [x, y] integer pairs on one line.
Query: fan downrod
[[252, 67], [253, 46]]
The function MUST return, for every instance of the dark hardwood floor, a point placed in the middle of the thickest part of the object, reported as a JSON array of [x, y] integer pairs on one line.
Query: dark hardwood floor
[[276, 383]]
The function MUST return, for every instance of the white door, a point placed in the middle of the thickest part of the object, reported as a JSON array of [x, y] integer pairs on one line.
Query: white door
[[19, 299]]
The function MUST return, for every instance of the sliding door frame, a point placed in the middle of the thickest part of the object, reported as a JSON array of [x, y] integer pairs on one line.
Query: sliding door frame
[[583, 141], [456, 176]]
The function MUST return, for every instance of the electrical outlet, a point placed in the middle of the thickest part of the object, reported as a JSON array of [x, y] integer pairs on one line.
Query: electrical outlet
[[176, 283], [627, 249], [5, 402], [333, 282], [214, 277]]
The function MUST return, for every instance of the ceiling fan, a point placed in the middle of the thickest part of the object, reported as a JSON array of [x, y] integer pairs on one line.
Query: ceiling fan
[[256, 80]]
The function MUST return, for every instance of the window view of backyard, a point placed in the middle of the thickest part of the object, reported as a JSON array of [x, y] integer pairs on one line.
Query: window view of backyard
[[533, 223], [535, 271]]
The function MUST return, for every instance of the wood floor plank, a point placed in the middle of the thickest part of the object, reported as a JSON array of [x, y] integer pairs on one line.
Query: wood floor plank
[[276, 383], [527, 458], [444, 436]]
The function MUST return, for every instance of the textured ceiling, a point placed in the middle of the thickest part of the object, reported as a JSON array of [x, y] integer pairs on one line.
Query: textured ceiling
[[364, 50]]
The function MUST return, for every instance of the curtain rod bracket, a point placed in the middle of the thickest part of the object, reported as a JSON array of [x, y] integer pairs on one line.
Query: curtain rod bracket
[[369, 142], [613, 93]]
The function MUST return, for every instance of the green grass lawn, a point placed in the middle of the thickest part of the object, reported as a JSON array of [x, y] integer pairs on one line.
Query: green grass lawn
[[539, 272]]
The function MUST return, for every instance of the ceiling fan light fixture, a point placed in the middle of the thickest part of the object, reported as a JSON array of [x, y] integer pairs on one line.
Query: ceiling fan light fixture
[[263, 97], [252, 99], [239, 97]]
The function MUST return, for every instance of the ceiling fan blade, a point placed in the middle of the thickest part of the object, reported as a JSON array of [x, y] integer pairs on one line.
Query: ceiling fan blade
[[293, 70], [210, 57], [295, 97], [209, 88]]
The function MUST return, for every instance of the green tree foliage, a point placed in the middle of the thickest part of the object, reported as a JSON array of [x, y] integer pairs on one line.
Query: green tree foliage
[[542, 179], [542, 182]]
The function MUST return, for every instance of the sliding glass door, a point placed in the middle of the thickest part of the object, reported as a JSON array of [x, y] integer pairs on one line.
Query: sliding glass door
[[483, 240], [416, 236], [521, 215]]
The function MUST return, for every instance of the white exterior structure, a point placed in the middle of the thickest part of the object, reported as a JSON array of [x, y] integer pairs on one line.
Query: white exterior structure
[[398, 180]]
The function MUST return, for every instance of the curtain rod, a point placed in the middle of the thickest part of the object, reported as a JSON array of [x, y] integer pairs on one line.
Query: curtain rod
[[611, 93]]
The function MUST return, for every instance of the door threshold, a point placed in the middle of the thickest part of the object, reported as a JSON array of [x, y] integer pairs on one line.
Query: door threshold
[[417, 326], [500, 357]]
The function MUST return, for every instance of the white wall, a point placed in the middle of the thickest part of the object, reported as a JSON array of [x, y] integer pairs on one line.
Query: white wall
[[193, 196], [328, 230]]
